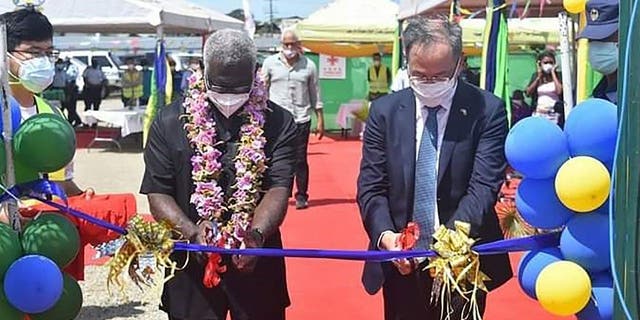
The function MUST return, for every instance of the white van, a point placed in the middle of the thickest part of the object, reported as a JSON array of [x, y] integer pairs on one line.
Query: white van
[[108, 63]]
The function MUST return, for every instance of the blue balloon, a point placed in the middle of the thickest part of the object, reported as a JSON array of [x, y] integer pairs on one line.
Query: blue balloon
[[536, 147], [585, 241], [33, 284], [532, 264], [600, 307], [538, 204], [592, 129], [16, 117]]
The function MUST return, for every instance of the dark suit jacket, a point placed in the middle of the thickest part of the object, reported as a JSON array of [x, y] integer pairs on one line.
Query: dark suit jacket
[[471, 170]]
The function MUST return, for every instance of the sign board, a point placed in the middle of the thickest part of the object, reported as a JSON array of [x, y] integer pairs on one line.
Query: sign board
[[332, 67]]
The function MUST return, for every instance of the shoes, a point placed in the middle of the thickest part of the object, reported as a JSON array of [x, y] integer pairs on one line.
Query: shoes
[[302, 204]]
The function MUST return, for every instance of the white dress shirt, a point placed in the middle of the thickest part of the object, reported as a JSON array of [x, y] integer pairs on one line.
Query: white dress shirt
[[421, 116]]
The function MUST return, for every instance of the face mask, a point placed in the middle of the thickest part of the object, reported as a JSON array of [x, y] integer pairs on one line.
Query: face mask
[[289, 54], [603, 56], [35, 74], [228, 103], [194, 66], [547, 67], [434, 94]]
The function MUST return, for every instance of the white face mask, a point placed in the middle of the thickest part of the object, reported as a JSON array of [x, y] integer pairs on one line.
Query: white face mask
[[35, 74], [228, 103], [547, 67], [289, 54], [603, 56], [433, 94]]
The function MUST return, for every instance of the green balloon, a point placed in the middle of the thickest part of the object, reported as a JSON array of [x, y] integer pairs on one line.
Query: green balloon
[[45, 142], [24, 173], [53, 236], [10, 248], [69, 305], [7, 311]]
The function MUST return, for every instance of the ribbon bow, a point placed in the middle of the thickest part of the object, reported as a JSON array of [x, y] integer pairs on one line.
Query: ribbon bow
[[456, 268], [146, 248]]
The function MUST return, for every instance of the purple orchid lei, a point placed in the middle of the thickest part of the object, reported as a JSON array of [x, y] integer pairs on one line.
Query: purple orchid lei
[[249, 162]]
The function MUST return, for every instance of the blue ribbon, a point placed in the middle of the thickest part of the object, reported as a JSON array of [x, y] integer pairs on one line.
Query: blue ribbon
[[39, 189]]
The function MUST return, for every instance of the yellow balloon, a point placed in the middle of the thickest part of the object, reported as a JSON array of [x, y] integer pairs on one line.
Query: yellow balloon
[[563, 288], [574, 6], [582, 184]]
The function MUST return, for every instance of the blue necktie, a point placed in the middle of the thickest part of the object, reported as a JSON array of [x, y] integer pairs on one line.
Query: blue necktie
[[425, 191]]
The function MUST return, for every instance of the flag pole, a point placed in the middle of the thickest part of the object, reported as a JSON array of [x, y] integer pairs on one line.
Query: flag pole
[[11, 205]]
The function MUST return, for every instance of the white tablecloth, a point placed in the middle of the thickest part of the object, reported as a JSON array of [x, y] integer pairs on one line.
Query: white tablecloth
[[129, 121], [345, 112]]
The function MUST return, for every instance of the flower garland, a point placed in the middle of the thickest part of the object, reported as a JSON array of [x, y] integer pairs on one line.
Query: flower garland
[[233, 217]]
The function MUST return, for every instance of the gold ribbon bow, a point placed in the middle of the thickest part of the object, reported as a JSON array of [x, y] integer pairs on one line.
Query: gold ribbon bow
[[456, 269], [146, 248]]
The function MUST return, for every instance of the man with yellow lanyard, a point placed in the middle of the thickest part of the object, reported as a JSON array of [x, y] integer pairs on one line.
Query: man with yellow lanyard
[[132, 89], [379, 78]]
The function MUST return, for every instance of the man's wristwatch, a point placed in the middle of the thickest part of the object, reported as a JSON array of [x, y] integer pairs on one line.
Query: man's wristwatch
[[257, 235]]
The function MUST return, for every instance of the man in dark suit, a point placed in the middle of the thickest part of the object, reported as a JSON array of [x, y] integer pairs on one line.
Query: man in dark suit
[[433, 154]]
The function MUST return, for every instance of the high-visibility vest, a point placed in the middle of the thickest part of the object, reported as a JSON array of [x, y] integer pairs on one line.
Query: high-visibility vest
[[44, 107], [378, 82], [129, 90]]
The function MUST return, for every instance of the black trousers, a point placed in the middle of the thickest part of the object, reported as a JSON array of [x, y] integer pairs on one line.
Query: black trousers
[[302, 165], [70, 103], [279, 315], [408, 297], [92, 97]]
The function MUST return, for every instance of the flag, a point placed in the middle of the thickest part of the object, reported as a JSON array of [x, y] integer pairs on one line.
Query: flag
[[495, 53], [161, 88], [249, 24]]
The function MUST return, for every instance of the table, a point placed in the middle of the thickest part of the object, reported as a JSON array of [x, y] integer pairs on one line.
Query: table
[[345, 118], [129, 122]]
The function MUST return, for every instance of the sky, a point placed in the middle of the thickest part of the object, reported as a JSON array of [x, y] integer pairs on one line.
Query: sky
[[260, 8]]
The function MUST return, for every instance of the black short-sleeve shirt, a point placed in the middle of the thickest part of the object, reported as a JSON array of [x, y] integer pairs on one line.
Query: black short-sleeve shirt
[[167, 159], [167, 155]]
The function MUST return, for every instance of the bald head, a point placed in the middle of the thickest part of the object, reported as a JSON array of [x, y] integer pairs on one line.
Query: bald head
[[229, 61]]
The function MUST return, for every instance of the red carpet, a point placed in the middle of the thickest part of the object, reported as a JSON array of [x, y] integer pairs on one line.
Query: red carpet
[[326, 289]]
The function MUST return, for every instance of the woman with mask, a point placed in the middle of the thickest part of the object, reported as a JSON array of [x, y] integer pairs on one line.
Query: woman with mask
[[545, 89], [602, 32]]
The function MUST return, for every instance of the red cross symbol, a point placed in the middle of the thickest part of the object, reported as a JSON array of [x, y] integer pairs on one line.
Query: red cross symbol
[[332, 60]]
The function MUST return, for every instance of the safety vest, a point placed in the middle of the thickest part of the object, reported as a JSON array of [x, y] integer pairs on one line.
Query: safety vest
[[378, 82], [44, 107], [132, 85]]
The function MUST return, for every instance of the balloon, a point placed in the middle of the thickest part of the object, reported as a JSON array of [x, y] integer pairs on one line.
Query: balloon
[[69, 305], [582, 184], [563, 288], [538, 204], [585, 241], [592, 129], [530, 266], [574, 6], [600, 307], [45, 142], [24, 173], [536, 147], [16, 116], [7, 311], [10, 248], [33, 284], [53, 236]]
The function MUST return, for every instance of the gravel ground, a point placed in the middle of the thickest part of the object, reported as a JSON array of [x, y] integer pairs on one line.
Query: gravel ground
[[108, 171]]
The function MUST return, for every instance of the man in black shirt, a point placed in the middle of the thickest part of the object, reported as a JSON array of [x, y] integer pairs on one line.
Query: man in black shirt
[[251, 288]]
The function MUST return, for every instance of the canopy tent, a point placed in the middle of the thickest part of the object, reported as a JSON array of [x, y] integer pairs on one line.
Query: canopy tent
[[351, 28], [522, 33], [410, 8], [132, 16]]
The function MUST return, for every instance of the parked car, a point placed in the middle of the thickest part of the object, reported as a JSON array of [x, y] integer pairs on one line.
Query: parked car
[[108, 63]]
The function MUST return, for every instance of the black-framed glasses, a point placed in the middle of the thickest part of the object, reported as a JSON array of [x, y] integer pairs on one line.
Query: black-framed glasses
[[424, 79], [34, 53]]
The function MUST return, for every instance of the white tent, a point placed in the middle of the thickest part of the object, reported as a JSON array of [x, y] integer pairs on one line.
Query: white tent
[[132, 16]]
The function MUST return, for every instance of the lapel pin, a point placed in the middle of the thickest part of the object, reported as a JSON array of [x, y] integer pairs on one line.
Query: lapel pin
[[463, 111]]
